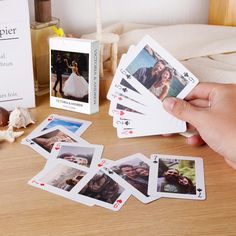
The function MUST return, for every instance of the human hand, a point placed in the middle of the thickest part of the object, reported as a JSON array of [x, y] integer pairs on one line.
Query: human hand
[[211, 109]]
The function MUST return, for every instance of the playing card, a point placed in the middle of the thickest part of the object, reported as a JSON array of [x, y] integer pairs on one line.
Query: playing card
[[60, 179], [155, 72], [85, 155], [76, 126], [122, 87], [134, 175], [42, 142], [103, 190], [145, 127], [129, 102], [176, 177], [116, 109]]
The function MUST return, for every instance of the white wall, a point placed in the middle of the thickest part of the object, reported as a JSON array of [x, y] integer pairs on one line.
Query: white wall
[[78, 16]]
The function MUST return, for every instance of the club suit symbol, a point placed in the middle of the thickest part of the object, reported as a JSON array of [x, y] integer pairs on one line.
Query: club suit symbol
[[199, 192]]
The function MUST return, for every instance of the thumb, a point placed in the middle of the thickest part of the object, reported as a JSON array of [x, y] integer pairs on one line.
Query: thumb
[[182, 110]]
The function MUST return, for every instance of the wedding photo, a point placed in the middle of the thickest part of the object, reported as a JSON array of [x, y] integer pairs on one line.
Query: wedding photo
[[69, 75]]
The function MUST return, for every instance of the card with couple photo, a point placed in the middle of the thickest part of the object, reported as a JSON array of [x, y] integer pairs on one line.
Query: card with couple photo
[[85, 155], [177, 177], [146, 75], [133, 174]]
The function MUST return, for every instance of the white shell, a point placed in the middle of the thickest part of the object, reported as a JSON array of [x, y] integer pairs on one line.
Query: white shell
[[9, 135], [20, 117]]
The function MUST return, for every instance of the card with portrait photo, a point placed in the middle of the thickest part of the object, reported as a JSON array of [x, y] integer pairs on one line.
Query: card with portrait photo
[[60, 179], [134, 175], [42, 142], [103, 190], [86, 155], [177, 177], [155, 72]]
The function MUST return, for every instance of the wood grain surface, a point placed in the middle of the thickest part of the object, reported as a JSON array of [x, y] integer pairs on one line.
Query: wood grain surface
[[27, 211]]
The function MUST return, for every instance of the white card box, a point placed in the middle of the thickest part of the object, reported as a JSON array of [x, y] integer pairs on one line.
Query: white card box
[[85, 53], [16, 69]]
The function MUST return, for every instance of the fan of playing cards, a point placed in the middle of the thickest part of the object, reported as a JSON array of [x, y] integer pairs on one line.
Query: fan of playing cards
[[145, 76], [76, 170]]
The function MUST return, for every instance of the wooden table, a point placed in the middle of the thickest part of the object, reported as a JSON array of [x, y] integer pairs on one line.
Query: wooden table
[[25, 210]]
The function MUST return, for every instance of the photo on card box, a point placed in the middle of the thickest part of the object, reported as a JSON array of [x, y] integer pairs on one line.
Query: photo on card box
[[63, 177], [156, 74], [69, 75], [76, 154], [47, 140], [176, 176], [136, 172], [102, 188]]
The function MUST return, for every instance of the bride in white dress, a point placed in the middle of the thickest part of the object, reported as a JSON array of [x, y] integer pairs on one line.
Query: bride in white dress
[[75, 85]]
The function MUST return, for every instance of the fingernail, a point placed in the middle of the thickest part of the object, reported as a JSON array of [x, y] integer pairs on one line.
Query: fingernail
[[169, 103]]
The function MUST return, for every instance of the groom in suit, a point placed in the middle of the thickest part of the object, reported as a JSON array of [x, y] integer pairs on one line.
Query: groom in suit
[[59, 71]]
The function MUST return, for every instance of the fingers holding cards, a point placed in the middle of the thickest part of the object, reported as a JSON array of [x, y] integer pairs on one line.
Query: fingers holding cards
[[75, 168]]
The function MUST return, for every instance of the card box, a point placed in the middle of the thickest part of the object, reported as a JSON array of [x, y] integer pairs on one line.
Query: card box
[[70, 88], [16, 69]]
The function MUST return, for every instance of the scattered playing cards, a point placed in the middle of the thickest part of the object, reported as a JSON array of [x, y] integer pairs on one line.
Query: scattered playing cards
[[146, 75], [76, 170]]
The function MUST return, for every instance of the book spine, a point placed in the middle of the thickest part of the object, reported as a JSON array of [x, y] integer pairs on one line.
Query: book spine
[[94, 77]]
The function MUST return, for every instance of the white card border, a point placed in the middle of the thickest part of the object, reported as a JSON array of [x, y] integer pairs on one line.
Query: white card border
[[199, 176]]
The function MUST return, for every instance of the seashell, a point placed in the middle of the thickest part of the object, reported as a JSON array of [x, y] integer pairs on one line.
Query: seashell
[[20, 117], [4, 116], [9, 135]]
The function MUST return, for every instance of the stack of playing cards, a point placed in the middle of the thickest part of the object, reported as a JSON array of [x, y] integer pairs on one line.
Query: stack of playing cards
[[146, 75], [76, 170]]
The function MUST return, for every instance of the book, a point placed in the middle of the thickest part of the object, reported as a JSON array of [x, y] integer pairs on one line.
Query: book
[[74, 74], [16, 69]]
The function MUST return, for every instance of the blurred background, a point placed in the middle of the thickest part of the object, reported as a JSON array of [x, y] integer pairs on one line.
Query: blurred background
[[79, 16]]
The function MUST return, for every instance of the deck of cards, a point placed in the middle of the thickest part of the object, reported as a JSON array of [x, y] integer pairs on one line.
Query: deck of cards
[[76, 170], [146, 75]]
